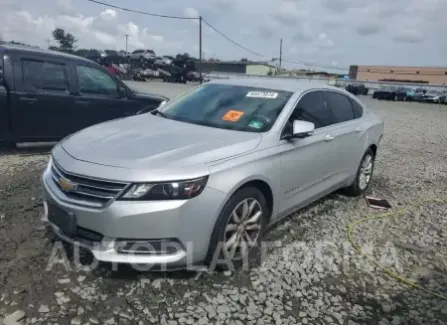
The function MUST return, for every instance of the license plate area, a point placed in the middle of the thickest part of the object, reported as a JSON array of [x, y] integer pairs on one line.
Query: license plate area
[[64, 220]]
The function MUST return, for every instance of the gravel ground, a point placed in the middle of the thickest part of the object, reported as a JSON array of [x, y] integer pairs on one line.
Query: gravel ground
[[312, 276]]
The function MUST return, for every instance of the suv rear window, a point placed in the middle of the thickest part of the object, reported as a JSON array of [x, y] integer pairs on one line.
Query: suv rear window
[[137, 51]]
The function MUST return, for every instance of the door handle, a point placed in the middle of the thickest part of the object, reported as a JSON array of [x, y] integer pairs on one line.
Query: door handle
[[27, 99], [82, 102], [329, 137], [358, 129]]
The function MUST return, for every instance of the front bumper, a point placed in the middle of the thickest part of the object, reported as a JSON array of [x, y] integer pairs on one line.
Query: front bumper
[[185, 224]]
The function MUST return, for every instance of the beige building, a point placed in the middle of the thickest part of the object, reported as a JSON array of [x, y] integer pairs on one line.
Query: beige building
[[429, 75]]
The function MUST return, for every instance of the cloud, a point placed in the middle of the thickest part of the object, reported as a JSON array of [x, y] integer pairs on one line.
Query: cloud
[[411, 36], [321, 31], [368, 28], [289, 14]]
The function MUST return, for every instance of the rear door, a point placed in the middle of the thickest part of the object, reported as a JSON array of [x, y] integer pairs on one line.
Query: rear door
[[98, 97], [42, 107], [348, 130]]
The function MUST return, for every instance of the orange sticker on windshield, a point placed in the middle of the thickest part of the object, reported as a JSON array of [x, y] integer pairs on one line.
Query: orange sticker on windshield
[[233, 116]]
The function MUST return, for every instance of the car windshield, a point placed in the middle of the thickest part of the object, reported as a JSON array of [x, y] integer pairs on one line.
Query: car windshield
[[233, 107], [433, 92], [137, 51]]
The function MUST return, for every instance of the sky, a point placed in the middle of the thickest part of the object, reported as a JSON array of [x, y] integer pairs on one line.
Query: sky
[[324, 33]]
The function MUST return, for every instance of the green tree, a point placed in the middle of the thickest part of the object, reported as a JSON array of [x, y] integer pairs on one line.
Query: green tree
[[66, 40]]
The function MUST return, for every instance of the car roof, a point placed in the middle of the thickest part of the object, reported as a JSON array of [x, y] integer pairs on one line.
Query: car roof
[[37, 50], [293, 85]]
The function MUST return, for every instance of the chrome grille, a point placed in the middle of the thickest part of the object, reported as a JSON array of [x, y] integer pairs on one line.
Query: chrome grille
[[86, 191]]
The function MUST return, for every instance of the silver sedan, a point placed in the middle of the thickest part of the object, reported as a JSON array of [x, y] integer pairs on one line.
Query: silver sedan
[[199, 179]]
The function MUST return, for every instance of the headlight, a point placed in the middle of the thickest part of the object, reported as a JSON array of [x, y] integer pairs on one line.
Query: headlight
[[181, 190]]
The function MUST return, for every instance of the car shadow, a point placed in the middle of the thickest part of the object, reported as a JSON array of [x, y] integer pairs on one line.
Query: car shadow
[[25, 152]]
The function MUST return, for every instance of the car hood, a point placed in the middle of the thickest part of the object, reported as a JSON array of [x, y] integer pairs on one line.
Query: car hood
[[148, 141], [144, 95]]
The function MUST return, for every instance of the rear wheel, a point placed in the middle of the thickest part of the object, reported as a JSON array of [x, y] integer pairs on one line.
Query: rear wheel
[[363, 176], [238, 230]]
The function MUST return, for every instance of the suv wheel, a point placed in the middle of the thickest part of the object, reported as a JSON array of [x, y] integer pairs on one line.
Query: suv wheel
[[363, 176], [238, 230]]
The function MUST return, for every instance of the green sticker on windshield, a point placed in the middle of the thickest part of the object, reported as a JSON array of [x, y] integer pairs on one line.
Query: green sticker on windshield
[[255, 124]]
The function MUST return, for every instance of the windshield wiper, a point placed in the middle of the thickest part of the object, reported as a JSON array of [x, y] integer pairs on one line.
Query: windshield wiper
[[156, 111]]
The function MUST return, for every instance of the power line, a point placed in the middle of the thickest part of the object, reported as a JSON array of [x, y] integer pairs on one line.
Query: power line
[[141, 12], [234, 42], [220, 33], [264, 56]]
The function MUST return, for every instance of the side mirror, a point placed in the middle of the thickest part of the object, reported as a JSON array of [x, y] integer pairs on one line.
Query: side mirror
[[122, 92], [302, 129]]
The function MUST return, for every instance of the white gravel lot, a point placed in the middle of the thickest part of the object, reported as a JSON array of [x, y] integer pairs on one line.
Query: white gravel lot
[[312, 276]]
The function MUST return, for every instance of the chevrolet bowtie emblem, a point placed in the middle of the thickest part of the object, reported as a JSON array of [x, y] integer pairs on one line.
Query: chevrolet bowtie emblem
[[66, 185]]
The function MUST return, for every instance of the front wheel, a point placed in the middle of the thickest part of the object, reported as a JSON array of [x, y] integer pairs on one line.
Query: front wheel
[[238, 230], [363, 176]]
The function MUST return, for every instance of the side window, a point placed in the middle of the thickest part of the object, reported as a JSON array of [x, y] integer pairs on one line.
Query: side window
[[95, 81], [358, 109], [311, 108], [340, 106], [44, 76]]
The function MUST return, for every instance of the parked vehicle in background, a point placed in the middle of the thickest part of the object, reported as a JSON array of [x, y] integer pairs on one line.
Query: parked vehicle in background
[[357, 89], [96, 55], [143, 55], [401, 93], [208, 172], [433, 96], [106, 56], [415, 94], [115, 56], [385, 92], [47, 95]]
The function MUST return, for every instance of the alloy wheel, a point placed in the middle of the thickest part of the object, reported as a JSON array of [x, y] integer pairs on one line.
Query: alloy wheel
[[243, 228], [365, 171]]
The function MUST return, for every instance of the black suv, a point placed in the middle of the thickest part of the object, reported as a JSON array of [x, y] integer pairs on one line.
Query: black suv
[[47, 95]]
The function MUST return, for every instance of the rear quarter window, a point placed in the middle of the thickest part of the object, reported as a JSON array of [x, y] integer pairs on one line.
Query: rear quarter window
[[357, 108], [340, 106]]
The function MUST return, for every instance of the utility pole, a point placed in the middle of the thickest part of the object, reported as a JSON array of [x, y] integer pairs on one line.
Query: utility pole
[[280, 54], [48, 42], [200, 48], [127, 36]]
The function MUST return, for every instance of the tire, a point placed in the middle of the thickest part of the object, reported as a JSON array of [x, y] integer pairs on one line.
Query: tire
[[358, 187], [217, 257]]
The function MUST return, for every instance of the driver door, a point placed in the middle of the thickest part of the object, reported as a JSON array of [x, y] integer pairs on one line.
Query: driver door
[[307, 163], [98, 98]]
